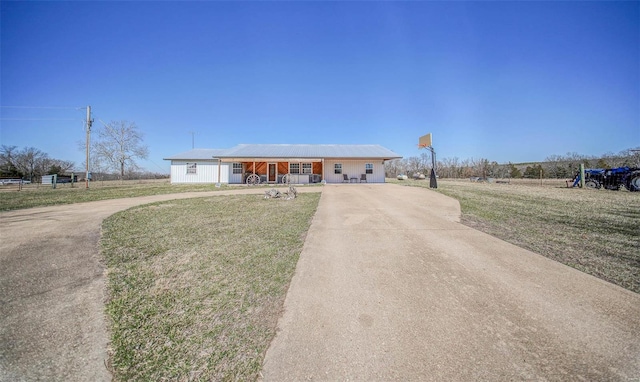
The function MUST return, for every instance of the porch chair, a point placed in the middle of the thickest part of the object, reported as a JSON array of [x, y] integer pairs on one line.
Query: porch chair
[[345, 178], [363, 178]]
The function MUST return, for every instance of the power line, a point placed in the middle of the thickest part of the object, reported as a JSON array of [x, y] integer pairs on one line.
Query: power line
[[41, 119], [41, 107], [163, 169]]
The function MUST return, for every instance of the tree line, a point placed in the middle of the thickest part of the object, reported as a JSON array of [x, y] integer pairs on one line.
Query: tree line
[[554, 166], [29, 163], [113, 154]]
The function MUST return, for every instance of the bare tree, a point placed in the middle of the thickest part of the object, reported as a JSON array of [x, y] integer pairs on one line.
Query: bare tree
[[394, 167], [501, 170], [425, 162], [56, 166], [629, 157], [479, 167], [413, 165], [29, 160], [118, 145], [7, 160], [96, 165], [44, 165], [448, 167], [65, 165]]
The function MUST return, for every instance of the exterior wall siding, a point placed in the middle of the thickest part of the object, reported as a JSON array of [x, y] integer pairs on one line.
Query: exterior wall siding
[[235, 178], [353, 168], [206, 172]]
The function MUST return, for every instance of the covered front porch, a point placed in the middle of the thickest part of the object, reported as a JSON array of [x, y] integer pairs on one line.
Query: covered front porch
[[265, 171]]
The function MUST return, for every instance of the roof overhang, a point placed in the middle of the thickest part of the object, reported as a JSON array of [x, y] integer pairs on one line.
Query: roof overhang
[[267, 159]]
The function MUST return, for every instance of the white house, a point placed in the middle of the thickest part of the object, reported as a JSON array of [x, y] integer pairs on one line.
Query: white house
[[269, 163]]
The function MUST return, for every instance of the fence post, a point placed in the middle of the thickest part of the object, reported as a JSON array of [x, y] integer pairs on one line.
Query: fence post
[[541, 177]]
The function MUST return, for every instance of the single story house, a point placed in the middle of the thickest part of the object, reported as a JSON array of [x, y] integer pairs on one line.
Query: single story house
[[279, 163]]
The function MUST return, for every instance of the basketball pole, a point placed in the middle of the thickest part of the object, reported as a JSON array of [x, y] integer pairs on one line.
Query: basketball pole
[[426, 141], [433, 181]]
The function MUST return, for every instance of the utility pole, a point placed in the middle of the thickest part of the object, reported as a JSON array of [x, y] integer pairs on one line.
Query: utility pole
[[89, 122], [193, 141]]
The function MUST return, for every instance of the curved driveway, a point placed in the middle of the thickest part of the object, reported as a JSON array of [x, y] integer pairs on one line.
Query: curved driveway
[[52, 284], [389, 286]]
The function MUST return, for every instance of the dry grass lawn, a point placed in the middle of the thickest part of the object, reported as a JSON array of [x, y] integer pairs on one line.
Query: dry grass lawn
[[37, 195], [196, 286], [595, 231]]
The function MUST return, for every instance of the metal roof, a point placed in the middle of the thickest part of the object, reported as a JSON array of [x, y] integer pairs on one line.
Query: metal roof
[[247, 151]]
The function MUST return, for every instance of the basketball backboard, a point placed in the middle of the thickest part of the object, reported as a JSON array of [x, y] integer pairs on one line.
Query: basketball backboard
[[425, 141]]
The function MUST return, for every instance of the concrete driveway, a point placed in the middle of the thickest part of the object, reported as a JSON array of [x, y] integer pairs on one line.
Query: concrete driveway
[[390, 286]]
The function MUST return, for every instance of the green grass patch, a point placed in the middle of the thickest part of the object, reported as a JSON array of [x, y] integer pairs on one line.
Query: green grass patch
[[196, 286], [595, 231]]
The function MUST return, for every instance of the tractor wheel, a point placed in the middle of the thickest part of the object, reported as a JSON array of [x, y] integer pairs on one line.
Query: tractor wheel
[[592, 183], [633, 184], [253, 179]]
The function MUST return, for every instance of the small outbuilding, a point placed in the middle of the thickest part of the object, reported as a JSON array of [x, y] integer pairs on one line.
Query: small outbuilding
[[279, 163]]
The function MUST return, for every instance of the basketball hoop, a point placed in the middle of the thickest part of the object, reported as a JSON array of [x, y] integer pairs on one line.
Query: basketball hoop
[[424, 142]]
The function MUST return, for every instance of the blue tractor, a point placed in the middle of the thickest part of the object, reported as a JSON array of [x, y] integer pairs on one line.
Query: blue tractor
[[611, 178]]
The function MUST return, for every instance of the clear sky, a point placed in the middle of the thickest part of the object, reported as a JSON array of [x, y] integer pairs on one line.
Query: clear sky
[[506, 81]]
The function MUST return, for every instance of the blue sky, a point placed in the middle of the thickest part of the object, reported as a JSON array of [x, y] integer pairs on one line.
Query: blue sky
[[506, 81]]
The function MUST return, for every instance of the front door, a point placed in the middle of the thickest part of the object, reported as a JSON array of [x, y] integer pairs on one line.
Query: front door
[[272, 173]]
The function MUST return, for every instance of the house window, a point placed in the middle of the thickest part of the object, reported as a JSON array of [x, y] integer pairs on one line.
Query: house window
[[306, 168], [368, 168], [337, 168], [237, 168], [294, 168], [192, 168]]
